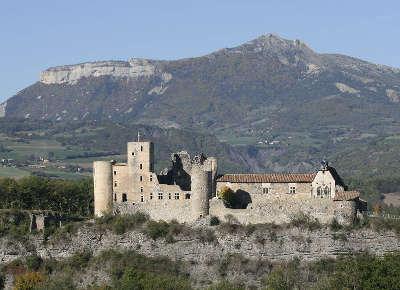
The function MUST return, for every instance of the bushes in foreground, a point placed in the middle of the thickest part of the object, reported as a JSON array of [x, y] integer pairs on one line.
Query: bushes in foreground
[[130, 270], [120, 224]]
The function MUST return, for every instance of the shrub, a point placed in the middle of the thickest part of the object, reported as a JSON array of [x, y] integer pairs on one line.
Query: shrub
[[305, 221], [135, 279], [335, 226], [29, 281], [214, 221], [120, 224], [60, 281], [33, 262], [225, 285], [80, 260], [157, 230], [227, 195], [206, 236]]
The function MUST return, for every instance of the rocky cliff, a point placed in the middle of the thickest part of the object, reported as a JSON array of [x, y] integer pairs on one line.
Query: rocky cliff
[[70, 74], [204, 255]]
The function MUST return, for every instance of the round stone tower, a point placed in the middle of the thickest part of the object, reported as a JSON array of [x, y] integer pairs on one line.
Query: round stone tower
[[103, 191], [200, 188]]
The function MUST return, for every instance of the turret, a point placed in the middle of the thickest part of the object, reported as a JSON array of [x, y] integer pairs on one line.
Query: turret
[[212, 167], [103, 191], [200, 188]]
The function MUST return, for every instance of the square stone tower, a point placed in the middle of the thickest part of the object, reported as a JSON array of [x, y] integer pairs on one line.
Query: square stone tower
[[140, 157]]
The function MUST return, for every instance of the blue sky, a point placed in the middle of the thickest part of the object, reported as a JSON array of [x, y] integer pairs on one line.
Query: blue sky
[[38, 34]]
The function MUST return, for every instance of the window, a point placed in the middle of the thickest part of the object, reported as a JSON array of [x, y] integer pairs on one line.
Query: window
[[323, 191], [160, 195], [141, 148], [169, 195], [141, 178], [115, 197], [176, 195], [141, 189], [319, 191], [141, 198], [133, 153], [115, 184], [151, 177], [187, 196], [292, 189], [141, 166], [115, 172], [151, 195], [265, 190], [124, 197]]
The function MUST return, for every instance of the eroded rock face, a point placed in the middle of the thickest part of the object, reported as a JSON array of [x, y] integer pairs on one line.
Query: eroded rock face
[[204, 256], [393, 95], [70, 74], [3, 109]]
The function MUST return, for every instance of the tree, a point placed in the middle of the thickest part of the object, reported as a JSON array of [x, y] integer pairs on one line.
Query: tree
[[227, 195]]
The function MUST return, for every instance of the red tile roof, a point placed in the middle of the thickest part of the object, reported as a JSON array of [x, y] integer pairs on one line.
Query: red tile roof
[[346, 195], [268, 178]]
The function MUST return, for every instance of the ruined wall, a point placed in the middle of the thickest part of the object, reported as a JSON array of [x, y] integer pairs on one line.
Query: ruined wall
[[282, 208]]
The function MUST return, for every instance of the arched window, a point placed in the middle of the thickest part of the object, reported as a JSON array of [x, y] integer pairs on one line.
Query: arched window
[[319, 191], [327, 191], [124, 197]]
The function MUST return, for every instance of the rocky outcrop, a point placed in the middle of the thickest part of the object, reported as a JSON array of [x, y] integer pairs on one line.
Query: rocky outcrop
[[393, 95], [204, 253], [70, 74], [270, 244], [3, 109]]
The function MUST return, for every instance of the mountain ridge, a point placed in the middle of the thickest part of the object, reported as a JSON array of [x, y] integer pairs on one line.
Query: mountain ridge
[[281, 100]]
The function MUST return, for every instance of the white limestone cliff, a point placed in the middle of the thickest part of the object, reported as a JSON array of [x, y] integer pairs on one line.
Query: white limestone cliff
[[70, 74], [3, 109]]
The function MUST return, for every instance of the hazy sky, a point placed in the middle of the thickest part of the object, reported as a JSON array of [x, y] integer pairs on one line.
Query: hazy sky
[[38, 34]]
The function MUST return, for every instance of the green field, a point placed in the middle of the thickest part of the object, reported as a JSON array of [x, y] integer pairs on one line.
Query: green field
[[13, 172]]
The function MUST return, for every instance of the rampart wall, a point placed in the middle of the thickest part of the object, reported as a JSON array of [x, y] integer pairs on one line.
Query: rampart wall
[[165, 209], [283, 208]]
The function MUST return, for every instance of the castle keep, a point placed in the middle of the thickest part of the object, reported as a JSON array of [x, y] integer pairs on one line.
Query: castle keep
[[188, 190]]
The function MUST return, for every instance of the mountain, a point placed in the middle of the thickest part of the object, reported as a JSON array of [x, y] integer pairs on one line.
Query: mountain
[[283, 104]]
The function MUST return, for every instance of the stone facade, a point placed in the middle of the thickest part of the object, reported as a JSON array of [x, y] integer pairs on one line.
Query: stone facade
[[180, 192], [189, 189]]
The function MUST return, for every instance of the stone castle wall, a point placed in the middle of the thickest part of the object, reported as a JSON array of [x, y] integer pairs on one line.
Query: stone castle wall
[[280, 209], [165, 209]]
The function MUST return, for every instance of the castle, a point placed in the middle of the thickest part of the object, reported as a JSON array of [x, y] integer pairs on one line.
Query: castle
[[188, 191]]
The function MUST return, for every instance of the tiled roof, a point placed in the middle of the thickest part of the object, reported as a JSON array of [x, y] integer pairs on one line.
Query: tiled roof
[[268, 178], [346, 195]]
